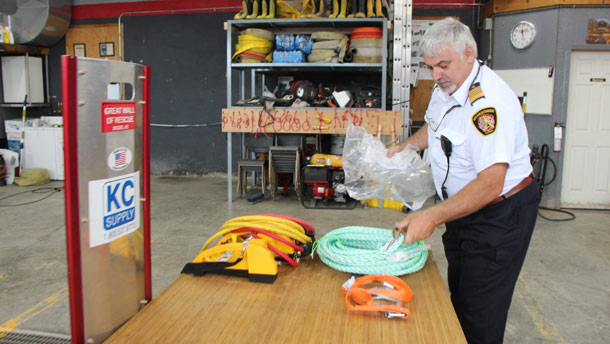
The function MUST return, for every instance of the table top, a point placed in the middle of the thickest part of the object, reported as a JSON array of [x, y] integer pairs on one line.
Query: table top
[[303, 305]]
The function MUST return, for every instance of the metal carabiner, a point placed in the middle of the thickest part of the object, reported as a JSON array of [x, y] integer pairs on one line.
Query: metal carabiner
[[395, 233]]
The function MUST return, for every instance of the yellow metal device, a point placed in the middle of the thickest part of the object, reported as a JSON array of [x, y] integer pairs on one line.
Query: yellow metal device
[[249, 258], [320, 159], [248, 246]]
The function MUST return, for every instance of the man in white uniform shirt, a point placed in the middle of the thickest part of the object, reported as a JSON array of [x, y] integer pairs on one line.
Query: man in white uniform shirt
[[478, 146]]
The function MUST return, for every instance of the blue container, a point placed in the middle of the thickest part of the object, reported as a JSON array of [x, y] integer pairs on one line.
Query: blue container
[[284, 42], [303, 43], [294, 56]]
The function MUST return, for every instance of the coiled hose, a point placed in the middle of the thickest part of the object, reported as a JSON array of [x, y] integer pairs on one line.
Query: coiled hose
[[360, 250]]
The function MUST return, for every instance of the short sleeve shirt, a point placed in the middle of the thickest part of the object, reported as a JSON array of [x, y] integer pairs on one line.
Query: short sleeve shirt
[[485, 124]]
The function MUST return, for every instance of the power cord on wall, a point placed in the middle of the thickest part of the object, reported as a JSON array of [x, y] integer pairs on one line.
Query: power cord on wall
[[50, 190], [540, 160]]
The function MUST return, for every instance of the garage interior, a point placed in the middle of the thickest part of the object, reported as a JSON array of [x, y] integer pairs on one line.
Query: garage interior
[[562, 295]]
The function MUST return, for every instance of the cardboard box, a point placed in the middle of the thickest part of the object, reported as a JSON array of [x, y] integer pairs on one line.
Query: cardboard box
[[12, 127], [51, 121]]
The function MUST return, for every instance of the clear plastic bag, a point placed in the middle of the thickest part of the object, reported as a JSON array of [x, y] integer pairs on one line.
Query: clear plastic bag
[[370, 174]]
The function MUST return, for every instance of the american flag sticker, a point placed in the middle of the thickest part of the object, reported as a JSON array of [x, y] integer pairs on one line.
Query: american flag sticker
[[119, 158]]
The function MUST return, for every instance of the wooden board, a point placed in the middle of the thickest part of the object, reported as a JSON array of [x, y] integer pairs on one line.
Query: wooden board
[[304, 121], [501, 6], [91, 36], [304, 305], [420, 96]]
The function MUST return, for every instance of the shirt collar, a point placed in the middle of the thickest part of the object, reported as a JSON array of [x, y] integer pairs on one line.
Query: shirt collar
[[461, 94]]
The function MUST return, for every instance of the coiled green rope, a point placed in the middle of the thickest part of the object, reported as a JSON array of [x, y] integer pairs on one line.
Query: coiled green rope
[[360, 250]]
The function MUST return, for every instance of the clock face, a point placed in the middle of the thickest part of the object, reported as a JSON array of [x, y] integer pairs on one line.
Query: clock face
[[523, 35]]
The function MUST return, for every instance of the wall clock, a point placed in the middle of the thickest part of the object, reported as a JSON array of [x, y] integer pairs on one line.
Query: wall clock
[[523, 35]]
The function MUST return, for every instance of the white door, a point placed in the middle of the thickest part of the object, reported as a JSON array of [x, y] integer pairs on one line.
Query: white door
[[586, 169]]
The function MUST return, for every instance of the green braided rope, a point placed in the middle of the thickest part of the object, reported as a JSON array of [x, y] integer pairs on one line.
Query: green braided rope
[[357, 250]]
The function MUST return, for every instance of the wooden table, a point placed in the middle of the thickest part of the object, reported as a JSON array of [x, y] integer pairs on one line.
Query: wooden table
[[304, 305]]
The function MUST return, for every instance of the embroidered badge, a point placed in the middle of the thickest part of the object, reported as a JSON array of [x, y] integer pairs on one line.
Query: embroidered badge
[[485, 120], [475, 93]]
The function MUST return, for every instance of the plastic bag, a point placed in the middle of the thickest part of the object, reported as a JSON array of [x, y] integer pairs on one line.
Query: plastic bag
[[370, 174]]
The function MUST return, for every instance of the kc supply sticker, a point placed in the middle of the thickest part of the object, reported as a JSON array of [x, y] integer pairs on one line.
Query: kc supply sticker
[[114, 208], [118, 116]]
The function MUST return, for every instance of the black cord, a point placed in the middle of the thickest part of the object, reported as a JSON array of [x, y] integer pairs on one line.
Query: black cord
[[443, 188], [570, 218], [49, 190], [260, 117], [447, 148], [543, 158]]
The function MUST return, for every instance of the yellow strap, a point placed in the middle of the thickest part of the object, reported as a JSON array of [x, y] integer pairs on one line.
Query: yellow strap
[[284, 10], [292, 228], [274, 225], [252, 43], [261, 33], [321, 54], [324, 35]]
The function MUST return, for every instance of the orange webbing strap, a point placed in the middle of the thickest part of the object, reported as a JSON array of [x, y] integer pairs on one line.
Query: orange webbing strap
[[363, 299]]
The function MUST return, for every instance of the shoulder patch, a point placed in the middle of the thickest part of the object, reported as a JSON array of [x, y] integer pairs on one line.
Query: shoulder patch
[[475, 93], [485, 120]]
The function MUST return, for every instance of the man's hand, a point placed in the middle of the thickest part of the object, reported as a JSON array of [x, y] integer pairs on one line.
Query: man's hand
[[416, 226], [394, 149], [418, 141]]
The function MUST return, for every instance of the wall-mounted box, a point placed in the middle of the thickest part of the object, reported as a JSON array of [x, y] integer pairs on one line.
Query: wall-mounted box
[[22, 75], [537, 83]]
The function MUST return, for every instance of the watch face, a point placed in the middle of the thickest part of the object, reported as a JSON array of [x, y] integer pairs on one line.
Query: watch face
[[523, 35]]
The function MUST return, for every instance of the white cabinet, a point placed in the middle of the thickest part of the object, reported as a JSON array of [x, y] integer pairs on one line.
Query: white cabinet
[[44, 149], [22, 75]]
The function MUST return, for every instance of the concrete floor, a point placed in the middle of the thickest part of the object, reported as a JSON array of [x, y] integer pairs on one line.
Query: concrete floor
[[562, 296]]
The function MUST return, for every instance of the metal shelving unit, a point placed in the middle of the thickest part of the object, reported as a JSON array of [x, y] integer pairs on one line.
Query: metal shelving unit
[[295, 26], [300, 26], [258, 71]]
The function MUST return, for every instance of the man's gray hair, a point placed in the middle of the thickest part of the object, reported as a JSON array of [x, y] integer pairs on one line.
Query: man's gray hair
[[447, 33]]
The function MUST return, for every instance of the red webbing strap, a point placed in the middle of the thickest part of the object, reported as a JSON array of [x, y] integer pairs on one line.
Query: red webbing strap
[[362, 299]]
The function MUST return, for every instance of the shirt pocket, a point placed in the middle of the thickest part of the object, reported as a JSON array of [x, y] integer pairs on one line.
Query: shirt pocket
[[460, 158]]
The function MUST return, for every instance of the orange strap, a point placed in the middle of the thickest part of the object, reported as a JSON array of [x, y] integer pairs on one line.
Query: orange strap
[[362, 299]]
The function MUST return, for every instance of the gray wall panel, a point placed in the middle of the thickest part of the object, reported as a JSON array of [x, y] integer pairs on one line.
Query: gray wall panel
[[560, 30], [540, 54], [186, 53]]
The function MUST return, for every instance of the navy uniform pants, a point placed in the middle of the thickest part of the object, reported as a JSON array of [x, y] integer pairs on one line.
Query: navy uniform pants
[[485, 251]]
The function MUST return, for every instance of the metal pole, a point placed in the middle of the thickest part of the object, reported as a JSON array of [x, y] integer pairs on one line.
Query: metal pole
[[70, 118], [146, 183], [229, 143]]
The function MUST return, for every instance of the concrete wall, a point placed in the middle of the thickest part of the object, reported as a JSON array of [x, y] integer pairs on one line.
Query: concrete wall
[[187, 56], [560, 30]]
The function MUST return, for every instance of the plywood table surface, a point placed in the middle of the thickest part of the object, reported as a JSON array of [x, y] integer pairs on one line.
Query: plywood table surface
[[304, 305]]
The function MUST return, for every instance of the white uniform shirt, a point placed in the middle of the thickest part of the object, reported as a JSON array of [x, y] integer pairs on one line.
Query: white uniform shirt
[[487, 131]]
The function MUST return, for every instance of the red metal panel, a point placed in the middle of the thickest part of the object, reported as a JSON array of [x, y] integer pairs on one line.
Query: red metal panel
[[114, 10], [146, 183], [439, 4], [69, 99]]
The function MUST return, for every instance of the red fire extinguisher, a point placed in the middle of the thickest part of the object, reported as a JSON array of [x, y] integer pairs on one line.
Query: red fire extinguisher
[[558, 135]]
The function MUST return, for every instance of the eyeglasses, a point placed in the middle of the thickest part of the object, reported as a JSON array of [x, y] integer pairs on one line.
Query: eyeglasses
[[431, 120]]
